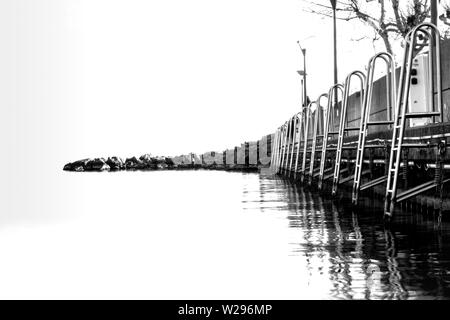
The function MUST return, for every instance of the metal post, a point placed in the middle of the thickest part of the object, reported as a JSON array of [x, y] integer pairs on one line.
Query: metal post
[[305, 102], [303, 73], [335, 70], [433, 20], [434, 11]]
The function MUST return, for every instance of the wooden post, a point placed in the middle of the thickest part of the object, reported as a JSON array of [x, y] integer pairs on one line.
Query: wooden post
[[257, 152], [246, 154]]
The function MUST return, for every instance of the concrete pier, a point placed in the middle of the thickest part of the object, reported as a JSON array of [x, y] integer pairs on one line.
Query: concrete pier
[[406, 141]]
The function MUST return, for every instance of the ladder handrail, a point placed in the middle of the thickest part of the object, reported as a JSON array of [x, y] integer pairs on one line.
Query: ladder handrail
[[308, 115], [279, 145], [316, 128], [282, 141], [274, 163], [299, 140], [391, 83], [344, 121], [283, 146], [288, 144], [295, 121], [329, 116], [290, 141], [274, 148], [391, 87], [402, 102], [279, 148]]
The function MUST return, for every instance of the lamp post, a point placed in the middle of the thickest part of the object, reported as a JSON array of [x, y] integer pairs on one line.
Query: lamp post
[[335, 70], [335, 73], [434, 11], [303, 73]]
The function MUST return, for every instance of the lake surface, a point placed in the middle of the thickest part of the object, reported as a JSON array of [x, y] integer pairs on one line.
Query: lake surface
[[210, 235]]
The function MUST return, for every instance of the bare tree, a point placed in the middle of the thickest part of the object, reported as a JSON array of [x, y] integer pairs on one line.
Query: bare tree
[[389, 20], [445, 17]]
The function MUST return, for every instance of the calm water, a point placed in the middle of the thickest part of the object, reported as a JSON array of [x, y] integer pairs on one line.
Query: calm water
[[210, 235]]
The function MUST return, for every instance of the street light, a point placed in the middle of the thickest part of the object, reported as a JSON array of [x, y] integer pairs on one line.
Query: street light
[[303, 73], [333, 5], [335, 70]]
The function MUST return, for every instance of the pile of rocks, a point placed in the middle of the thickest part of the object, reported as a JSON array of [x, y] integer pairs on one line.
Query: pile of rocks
[[144, 162]]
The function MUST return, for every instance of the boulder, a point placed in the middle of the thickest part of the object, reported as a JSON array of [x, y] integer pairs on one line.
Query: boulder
[[146, 158], [97, 164], [169, 162], [162, 166], [76, 165], [68, 167], [134, 164], [145, 162], [115, 163], [149, 161], [160, 160]]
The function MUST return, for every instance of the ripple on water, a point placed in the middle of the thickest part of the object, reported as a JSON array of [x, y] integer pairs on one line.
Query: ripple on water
[[354, 252]]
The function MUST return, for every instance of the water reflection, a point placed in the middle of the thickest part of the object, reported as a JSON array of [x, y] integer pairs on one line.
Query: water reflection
[[353, 253]]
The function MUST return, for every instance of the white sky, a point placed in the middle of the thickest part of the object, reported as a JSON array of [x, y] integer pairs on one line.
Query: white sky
[[113, 77]]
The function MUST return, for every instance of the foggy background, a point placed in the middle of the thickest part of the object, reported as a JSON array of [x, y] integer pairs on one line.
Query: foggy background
[[98, 78]]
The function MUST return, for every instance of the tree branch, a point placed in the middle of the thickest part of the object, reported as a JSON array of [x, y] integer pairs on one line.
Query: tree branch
[[398, 20], [389, 23]]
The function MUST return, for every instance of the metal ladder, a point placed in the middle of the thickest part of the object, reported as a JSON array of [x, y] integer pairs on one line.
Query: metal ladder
[[279, 145], [300, 117], [282, 147], [285, 146], [288, 147], [401, 114], [308, 114], [330, 120], [275, 151], [296, 121], [292, 136], [344, 128], [318, 133], [274, 148], [365, 123]]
